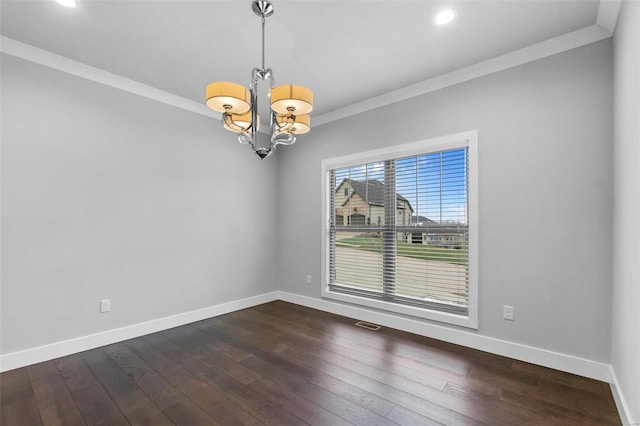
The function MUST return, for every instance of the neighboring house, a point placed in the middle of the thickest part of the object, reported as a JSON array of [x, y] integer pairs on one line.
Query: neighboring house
[[446, 235], [422, 221], [362, 203], [457, 240]]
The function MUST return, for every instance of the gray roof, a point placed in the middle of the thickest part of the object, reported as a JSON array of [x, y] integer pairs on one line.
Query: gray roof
[[372, 191], [422, 219]]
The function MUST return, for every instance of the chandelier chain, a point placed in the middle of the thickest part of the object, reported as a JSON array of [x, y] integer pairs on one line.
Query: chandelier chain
[[263, 42]]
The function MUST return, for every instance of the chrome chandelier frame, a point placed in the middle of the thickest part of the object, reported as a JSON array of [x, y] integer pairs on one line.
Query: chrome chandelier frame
[[282, 126], [248, 135]]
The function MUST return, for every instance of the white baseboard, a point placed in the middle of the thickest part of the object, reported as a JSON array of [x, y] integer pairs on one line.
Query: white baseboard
[[571, 364], [558, 361], [30, 356], [621, 402]]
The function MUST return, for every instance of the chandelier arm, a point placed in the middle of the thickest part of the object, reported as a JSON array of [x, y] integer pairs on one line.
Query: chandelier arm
[[283, 139], [244, 139], [228, 120], [287, 125], [280, 134]]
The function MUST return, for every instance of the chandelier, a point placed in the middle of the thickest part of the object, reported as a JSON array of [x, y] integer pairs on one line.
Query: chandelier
[[289, 110]]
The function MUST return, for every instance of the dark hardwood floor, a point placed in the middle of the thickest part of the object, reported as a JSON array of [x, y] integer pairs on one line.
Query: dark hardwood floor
[[285, 364]]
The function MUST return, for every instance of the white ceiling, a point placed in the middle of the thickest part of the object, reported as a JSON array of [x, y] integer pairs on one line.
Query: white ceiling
[[345, 51]]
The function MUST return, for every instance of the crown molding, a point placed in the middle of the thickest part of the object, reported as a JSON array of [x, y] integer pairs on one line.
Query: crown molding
[[607, 17], [531, 53], [43, 57], [608, 11]]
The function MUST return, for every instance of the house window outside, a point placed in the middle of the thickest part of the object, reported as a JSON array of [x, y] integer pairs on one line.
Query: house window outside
[[418, 254]]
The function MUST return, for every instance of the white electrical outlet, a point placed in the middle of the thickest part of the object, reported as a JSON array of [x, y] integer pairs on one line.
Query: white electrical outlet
[[105, 305], [507, 312], [308, 279]]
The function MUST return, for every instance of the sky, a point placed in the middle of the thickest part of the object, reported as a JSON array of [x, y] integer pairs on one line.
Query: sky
[[434, 184]]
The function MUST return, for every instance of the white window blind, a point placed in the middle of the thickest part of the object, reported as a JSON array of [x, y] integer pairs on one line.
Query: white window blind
[[398, 230]]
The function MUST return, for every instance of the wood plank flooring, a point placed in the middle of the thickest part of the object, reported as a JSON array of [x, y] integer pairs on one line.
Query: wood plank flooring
[[284, 364]]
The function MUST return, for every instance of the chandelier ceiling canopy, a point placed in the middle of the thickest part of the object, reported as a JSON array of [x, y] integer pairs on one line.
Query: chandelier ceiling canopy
[[288, 110]]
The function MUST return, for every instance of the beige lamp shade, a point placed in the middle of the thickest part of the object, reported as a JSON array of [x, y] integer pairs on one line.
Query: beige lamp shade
[[288, 98], [302, 124], [243, 121], [232, 98]]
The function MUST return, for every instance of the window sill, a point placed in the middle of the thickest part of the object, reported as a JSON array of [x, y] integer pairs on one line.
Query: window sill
[[469, 321]]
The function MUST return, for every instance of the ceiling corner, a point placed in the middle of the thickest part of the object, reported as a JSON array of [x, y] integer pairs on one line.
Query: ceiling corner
[[608, 12]]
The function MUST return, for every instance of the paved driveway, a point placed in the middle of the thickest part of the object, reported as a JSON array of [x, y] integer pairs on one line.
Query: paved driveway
[[444, 281]]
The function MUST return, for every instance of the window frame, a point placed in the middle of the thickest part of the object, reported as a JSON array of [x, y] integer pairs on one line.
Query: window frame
[[468, 140]]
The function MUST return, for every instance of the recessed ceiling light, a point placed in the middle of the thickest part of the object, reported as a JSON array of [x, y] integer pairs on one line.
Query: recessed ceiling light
[[445, 17], [67, 3]]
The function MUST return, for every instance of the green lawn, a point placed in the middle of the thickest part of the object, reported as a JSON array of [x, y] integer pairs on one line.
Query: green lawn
[[417, 251]]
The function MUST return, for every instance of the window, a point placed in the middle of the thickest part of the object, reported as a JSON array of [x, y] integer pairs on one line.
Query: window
[[418, 254]]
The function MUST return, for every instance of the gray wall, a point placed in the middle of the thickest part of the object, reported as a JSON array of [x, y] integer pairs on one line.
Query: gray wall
[[109, 195], [545, 193], [625, 356], [106, 194]]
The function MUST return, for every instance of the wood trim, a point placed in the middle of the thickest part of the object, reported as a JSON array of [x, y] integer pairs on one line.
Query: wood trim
[[621, 403], [467, 139], [607, 17], [283, 363], [31, 356], [60, 63], [608, 12], [532, 53], [571, 364], [563, 362]]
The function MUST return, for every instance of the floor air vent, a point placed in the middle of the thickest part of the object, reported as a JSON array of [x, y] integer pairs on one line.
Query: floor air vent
[[368, 325]]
